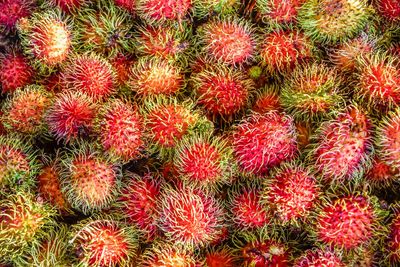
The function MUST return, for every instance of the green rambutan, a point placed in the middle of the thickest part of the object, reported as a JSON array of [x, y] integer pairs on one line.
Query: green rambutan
[[24, 111], [222, 91], [291, 193], [104, 243], [105, 30], [121, 131], [319, 258], [11, 11], [168, 121], [262, 142], [163, 11], [89, 181], [71, 116], [343, 145], [278, 13], [312, 92], [190, 217], [281, 51], [163, 254], [15, 71], [46, 38], [153, 76], [332, 21], [89, 74], [228, 41], [208, 8], [24, 220]]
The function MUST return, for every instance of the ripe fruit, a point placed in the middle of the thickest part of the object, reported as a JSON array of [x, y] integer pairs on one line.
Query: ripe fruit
[[332, 21], [261, 142], [281, 50], [121, 64], [291, 194], [343, 146], [190, 217], [24, 220], [89, 181], [91, 75], [278, 13], [15, 71], [24, 111], [392, 241], [105, 242], [204, 161], [380, 174], [222, 91], [389, 9], [267, 99], [319, 258], [228, 41], [69, 6], [167, 255], [153, 76], [312, 92], [128, 5], [71, 116], [158, 12], [120, 129], [46, 37], [11, 11], [138, 203], [208, 8]]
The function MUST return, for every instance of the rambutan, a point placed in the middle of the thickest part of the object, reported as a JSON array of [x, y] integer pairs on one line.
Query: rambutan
[[190, 217], [89, 74], [121, 130], [393, 240], [15, 71], [332, 21], [264, 141], [122, 63], [155, 76], [247, 210], [228, 41], [221, 256], [11, 11], [139, 202], [208, 8], [343, 145], [89, 181], [279, 13], [291, 194], [106, 31], [204, 161], [69, 6], [157, 12], [312, 92], [222, 91], [46, 37], [71, 116], [389, 9], [281, 51], [105, 243], [24, 111], [167, 255], [379, 79], [24, 220], [168, 121], [319, 258], [128, 5], [380, 174], [267, 99]]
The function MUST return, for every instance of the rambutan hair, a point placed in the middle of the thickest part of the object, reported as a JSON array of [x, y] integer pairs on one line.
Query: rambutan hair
[[12, 11], [15, 71], [319, 257], [158, 12], [278, 13], [165, 254], [208, 8]]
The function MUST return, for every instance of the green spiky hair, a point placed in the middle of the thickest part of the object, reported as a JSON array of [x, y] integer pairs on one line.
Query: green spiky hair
[[332, 21], [107, 31], [81, 163], [189, 122], [46, 39], [312, 92], [103, 241], [24, 221], [208, 8]]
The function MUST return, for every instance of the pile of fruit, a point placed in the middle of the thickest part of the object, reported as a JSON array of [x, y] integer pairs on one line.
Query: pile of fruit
[[190, 133]]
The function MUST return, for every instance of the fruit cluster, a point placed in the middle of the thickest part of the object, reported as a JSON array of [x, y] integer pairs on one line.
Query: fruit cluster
[[199, 133]]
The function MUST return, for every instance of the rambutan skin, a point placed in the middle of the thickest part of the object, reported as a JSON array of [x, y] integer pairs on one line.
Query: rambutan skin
[[157, 12], [11, 11], [264, 141], [205, 8], [389, 9], [393, 244], [319, 258], [279, 13], [15, 71], [164, 254]]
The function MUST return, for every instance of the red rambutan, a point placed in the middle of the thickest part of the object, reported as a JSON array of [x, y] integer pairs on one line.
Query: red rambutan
[[319, 258], [69, 6], [129, 5], [221, 256], [381, 174], [393, 240], [71, 116], [11, 11], [264, 141], [267, 100], [121, 64], [389, 9], [15, 72], [279, 13], [167, 255], [157, 12], [209, 8]]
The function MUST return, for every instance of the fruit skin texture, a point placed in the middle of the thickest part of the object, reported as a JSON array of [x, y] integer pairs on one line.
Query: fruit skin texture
[[343, 146], [228, 41], [319, 258], [24, 111], [69, 6], [393, 244], [15, 71], [206, 8], [89, 74], [104, 243], [222, 91], [262, 142], [380, 174], [291, 194], [312, 92], [279, 13], [267, 99], [389, 9], [162, 254], [24, 220], [71, 116], [332, 21], [120, 128], [89, 181], [190, 217], [220, 256], [11, 11], [158, 12]]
